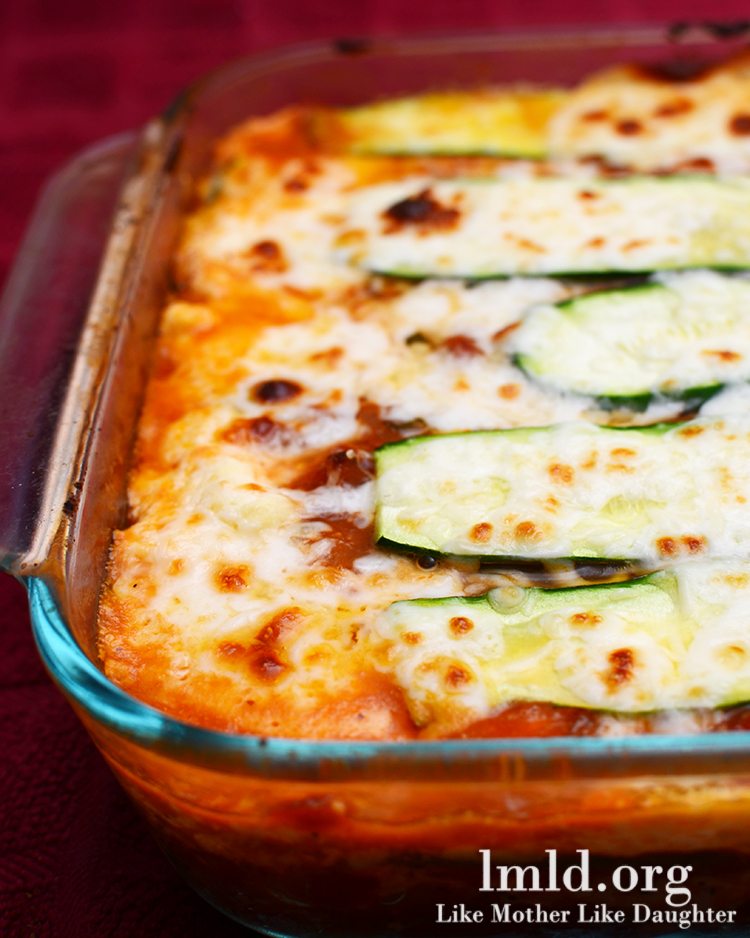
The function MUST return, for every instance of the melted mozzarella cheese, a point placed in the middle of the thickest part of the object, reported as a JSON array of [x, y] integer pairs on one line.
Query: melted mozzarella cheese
[[573, 490], [547, 226], [672, 640], [647, 122]]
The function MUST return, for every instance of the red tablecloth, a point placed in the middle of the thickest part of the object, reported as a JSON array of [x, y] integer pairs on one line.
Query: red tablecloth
[[75, 858]]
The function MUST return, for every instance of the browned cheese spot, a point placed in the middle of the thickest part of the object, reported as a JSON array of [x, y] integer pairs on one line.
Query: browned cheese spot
[[724, 355], [509, 392], [587, 195], [267, 257], [232, 579], [585, 618], [266, 652], [423, 211], [635, 244], [412, 638], [740, 125], [460, 625], [593, 117], [691, 431], [329, 356], [693, 544], [481, 532], [667, 546], [595, 243], [461, 346], [697, 164], [621, 665], [263, 429], [628, 127], [560, 472], [675, 108], [176, 566], [230, 649], [456, 676], [275, 391], [527, 531]]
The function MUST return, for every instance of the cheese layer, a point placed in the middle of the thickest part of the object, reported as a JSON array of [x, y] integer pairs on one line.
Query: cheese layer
[[670, 640], [572, 490], [491, 228]]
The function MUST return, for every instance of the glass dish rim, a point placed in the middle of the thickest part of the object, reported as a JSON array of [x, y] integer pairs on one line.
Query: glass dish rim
[[110, 706]]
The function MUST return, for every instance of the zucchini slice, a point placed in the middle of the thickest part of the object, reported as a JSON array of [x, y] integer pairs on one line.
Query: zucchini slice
[[675, 639], [489, 122], [482, 228], [573, 491], [684, 337]]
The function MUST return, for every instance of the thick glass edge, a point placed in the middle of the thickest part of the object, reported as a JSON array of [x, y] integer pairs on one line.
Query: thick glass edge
[[676, 34], [109, 705]]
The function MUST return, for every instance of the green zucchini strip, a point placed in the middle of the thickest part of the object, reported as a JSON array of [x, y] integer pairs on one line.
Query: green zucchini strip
[[491, 122], [675, 639], [684, 336], [574, 491], [479, 229]]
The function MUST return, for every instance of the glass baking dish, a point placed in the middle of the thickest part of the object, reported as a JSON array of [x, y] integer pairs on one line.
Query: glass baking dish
[[335, 839]]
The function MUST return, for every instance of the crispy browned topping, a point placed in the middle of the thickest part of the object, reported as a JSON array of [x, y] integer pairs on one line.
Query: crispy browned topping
[[267, 256], [740, 125], [456, 676], [232, 579], [275, 391], [481, 532], [621, 665], [628, 127], [461, 346], [460, 625], [561, 473], [422, 210]]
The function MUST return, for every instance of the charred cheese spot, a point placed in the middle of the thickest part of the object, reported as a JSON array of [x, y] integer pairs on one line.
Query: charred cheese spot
[[724, 355], [461, 346], [560, 472], [621, 667], [667, 546], [628, 127], [509, 392], [267, 654], [268, 257], [421, 211], [675, 108], [232, 579], [275, 391], [740, 124], [527, 531], [694, 545], [460, 625], [595, 116], [457, 676], [585, 619], [481, 532], [263, 429]]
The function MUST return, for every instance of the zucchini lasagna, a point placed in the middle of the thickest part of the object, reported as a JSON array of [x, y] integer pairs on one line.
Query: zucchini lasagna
[[448, 430]]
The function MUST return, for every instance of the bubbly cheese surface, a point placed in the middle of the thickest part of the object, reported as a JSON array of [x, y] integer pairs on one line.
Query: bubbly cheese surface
[[247, 592]]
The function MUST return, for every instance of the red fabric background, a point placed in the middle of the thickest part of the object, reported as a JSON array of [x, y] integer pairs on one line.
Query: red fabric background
[[75, 859]]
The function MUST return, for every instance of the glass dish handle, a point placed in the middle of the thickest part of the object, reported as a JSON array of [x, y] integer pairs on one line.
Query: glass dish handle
[[42, 311]]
